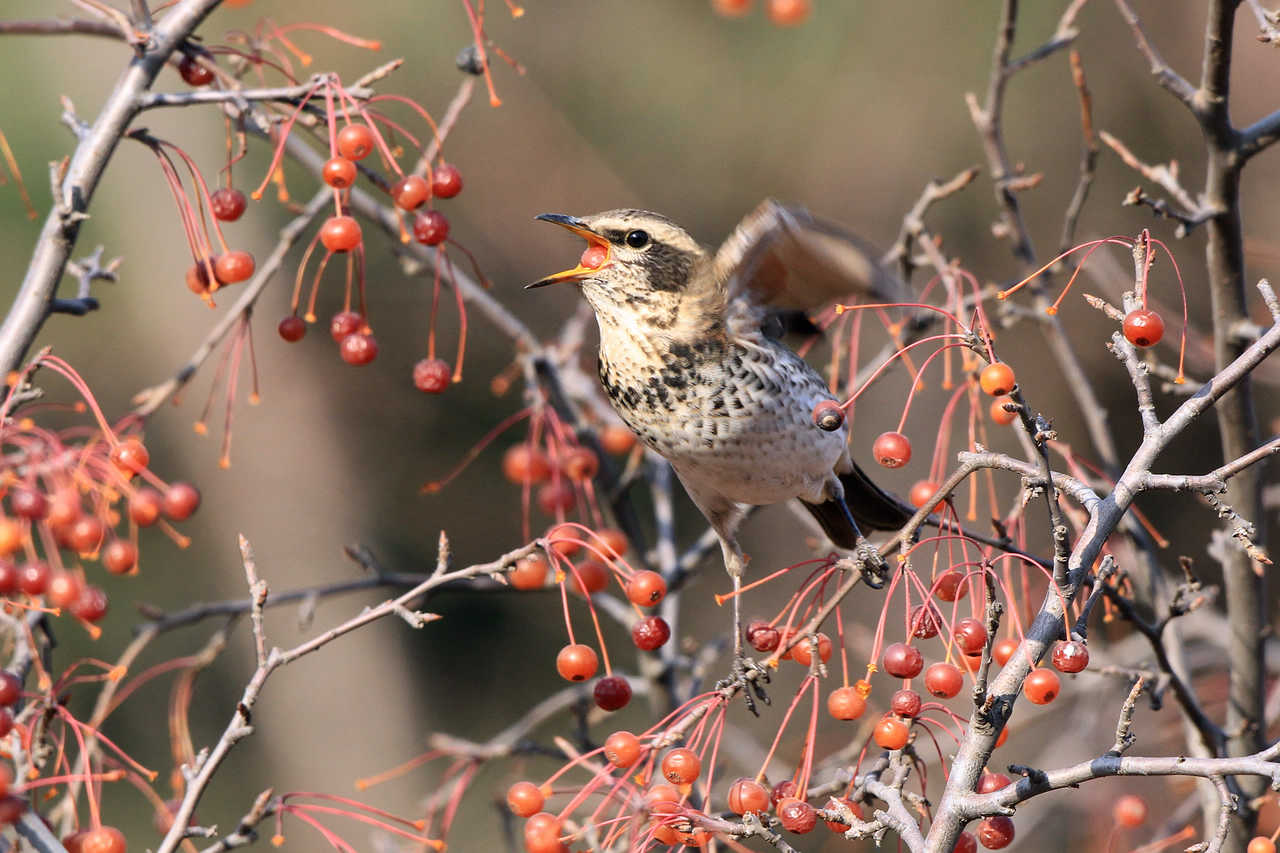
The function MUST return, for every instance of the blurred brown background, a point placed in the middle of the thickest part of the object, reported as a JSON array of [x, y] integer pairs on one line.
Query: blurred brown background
[[659, 104]]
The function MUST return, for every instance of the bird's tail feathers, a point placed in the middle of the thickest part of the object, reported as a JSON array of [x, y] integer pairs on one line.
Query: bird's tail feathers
[[865, 504]]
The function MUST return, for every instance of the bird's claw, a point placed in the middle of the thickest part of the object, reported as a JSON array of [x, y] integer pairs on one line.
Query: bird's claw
[[751, 678], [875, 571]]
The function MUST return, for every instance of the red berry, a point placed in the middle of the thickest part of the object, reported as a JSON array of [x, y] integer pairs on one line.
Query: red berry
[[198, 277], [905, 703], [731, 8], [592, 576], [903, 661], [1143, 327], [646, 588], [833, 806], [130, 457], [10, 536], [614, 543], [345, 323], [802, 651], [193, 72], [339, 173], [1042, 686], [91, 606], [33, 578], [446, 180], [180, 501], [845, 703], [432, 375], [1003, 650], [611, 693], [922, 493], [64, 589], [892, 449], [762, 636], [970, 636], [650, 633], [144, 506], [292, 328], [6, 721], [1070, 656], [748, 795], [617, 439], [556, 497], [989, 782], [1261, 844], [580, 464], [529, 573], [86, 534], [525, 799], [358, 349], [1130, 811], [233, 267], [10, 688], [410, 192], [943, 680], [431, 227], [525, 463], [797, 816], [593, 257], [1000, 414], [997, 379], [542, 834], [8, 577], [119, 556], [28, 503], [966, 843], [782, 790], [355, 141], [681, 766], [995, 832], [622, 749], [340, 233], [828, 416], [925, 621], [789, 13], [577, 662], [951, 586], [228, 204], [891, 733]]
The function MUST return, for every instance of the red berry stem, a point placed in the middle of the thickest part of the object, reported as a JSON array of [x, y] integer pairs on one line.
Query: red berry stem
[[477, 29], [283, 132]]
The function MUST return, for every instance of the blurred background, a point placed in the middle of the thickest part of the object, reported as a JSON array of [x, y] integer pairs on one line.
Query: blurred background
[[661, 105]]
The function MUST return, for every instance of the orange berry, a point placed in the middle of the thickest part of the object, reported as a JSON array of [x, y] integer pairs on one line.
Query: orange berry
[[1000, 414], [577, 662], [997, 379]]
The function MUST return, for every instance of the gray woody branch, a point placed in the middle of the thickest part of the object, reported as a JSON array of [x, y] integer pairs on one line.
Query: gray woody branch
[[70, 205]]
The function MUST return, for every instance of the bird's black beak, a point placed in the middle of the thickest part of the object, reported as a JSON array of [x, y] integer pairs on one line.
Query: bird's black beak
[[599, 257]]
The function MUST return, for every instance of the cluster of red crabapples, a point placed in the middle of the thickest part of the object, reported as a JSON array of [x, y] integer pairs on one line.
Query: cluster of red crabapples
[[363, 132], [341, 235], [65, 493]]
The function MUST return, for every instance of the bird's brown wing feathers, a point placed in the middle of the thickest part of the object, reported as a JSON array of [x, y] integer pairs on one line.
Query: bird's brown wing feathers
[[783, 257]]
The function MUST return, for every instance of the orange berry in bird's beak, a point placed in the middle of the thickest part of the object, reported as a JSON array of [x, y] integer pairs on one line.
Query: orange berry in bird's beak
[[594, 257]]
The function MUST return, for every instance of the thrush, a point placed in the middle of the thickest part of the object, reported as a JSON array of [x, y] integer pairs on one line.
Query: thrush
[[689, 364]]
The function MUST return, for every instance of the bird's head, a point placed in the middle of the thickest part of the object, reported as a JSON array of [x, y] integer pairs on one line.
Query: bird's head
[[634, 260]]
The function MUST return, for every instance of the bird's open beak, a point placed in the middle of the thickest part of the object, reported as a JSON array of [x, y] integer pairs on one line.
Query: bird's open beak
[[577, 226]]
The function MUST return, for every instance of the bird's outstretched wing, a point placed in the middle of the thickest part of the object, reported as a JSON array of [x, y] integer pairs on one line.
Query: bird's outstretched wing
[[783, 257]]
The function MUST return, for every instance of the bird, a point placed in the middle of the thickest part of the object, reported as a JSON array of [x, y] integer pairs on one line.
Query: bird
[[690, 359]]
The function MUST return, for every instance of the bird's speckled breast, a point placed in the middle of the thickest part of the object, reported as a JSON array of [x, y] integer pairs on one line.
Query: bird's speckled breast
[[736, 413]]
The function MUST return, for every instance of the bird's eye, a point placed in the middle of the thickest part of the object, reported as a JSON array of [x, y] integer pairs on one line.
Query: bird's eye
[[637, 239]]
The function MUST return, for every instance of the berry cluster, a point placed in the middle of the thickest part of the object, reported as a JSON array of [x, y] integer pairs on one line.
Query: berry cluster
[[65, 493]]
